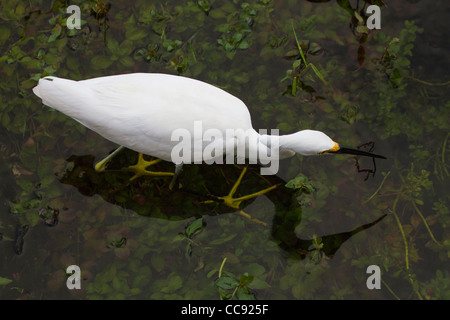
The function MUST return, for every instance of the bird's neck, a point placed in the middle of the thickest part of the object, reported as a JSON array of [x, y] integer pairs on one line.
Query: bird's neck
[[285, 144]]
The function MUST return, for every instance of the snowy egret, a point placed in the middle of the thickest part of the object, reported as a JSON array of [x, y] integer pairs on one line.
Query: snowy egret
[[140, 111]]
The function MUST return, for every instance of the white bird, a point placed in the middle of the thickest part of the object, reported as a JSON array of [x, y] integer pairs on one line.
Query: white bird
[[141, 111]]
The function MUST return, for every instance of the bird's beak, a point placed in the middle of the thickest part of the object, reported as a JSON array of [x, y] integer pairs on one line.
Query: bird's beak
[[345, 150]]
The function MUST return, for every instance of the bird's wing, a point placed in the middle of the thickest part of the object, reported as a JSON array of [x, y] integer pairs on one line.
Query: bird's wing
[[141, 111]]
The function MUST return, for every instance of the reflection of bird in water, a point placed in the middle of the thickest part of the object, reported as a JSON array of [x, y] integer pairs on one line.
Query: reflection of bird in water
[[148, 197], [142, 111]]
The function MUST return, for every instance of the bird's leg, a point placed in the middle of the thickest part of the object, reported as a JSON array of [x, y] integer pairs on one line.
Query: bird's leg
[[140, 167], [100, 166], [235, 202], [178, 168]]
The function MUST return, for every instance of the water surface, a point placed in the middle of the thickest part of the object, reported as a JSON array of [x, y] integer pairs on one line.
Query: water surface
[[138, 240]]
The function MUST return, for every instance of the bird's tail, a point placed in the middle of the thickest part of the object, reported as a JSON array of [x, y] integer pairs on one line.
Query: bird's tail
[[54, 91], [36, 91], [66, 96]]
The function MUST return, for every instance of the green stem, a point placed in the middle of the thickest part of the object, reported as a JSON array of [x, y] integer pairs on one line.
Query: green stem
[[234, 292], [298, 45], [304, 70], [376, 191], [402, 232], [426, 224], [443, 153], [316, 71], [220, 272], [221, 267], [429, 83], [405, 242], [389, 289]]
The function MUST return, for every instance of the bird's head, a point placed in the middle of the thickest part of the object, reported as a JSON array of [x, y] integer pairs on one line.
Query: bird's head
[[312, 142]]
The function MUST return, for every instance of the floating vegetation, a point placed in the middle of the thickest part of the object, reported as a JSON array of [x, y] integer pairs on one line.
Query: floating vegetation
[[296, 65]]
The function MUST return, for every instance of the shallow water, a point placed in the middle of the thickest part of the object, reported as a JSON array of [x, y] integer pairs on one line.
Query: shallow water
[[138, 240]]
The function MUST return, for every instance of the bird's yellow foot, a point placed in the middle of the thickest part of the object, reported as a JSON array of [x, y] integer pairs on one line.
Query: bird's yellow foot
[[140, 167], [234, 203], [101, 165]]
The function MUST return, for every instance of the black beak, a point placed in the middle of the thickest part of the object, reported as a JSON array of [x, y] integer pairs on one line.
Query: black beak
[[357, 152]]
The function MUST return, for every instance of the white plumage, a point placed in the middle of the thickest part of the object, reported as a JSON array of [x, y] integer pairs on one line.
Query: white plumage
[[141, 111]]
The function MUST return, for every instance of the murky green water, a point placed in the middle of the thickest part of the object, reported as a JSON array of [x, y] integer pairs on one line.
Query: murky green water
[[138, 240]]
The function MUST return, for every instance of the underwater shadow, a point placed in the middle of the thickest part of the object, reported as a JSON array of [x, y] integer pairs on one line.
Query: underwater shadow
[[150, 196]]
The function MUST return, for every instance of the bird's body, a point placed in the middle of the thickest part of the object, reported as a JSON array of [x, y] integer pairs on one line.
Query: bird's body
[[144, 112], [141, 111]]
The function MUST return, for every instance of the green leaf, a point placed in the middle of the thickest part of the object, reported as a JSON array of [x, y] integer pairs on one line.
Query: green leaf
[[227, 283], [245, 280], [316, 71], [204, 5], [318, 74], [298, 45], [56, 31], [5, 32], [255, 269], [113, 46], [136, 34], [4, 281], [243, 45], [100, 62], [223, 240], [359, 18], [296, 64], [157, 261], [285, 127], [362, 29], [175, 283], [193, 227], [188, 250], [127, 61], [245, 296], [211, 273], [301, 182], [259, 284], [32, 217]]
